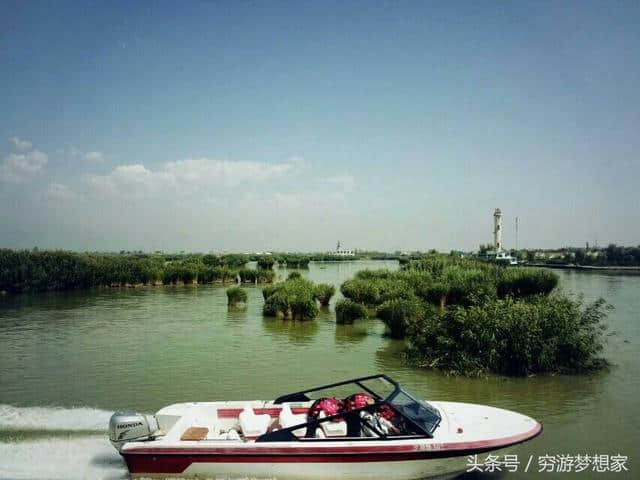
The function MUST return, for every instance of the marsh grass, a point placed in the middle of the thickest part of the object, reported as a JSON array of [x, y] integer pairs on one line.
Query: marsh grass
[[236, 295], [467, 316], [292, 299], [323, 293], [348, 311]]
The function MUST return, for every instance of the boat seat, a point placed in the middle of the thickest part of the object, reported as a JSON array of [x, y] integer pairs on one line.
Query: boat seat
[[197, 423], [253, 425], [195, 433], [208, 417], [333, 429], [289, 419], [205, 419]]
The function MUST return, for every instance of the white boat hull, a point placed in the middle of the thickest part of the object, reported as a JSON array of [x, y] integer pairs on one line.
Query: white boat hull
[[401, 470], [465, 430]]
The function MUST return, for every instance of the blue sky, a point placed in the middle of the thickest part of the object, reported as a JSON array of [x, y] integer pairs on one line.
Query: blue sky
[[290, 125]]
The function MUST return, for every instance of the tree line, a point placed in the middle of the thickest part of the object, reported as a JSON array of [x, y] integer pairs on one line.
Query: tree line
[[36, 271]]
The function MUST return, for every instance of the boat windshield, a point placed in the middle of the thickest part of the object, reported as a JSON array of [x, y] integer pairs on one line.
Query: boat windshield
[[420, 418], [418, 411]]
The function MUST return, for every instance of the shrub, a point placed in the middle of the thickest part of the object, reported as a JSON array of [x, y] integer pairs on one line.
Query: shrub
[[434, 265], [225, 274], [294, 275], [248, 275], [211, 260], [437, 293], [465, 315], [303, 308], [323, 293], [510, 336], [266, 263], [374, 274], [38, 271], [398, 313], [269, 290], [266, 276], [361, 291], [522, 282], [300, 298], [291, 299], [347, 311], [170, 275], [419, 281], [187, 273], [466, 286], [236, 295], [276, 304], [394, 288], [294, 260], [206, 274], [234, 260]]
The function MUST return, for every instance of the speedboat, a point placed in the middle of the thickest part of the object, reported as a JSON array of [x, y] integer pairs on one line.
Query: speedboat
[[363, 428]]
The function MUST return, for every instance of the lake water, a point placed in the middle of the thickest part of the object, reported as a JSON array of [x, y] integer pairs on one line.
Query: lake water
[[68, 360]]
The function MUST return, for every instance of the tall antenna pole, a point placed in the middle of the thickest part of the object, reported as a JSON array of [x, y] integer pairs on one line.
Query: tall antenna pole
[[516, 234]]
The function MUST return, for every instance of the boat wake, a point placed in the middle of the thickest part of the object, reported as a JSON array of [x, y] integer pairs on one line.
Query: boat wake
[[53, 418], [38, 443]]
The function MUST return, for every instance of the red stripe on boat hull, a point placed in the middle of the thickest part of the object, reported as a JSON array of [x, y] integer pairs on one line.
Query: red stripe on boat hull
[[177, 460], [179, 463]]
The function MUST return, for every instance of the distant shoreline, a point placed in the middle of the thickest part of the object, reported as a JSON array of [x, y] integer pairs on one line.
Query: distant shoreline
[[593, 268]]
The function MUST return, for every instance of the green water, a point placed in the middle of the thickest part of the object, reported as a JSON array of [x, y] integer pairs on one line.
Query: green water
[[148, 347]]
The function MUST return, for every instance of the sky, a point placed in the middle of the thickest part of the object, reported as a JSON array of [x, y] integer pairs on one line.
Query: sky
[[252, 126]]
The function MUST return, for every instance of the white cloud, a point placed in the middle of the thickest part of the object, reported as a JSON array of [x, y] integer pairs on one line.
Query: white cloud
[[346, 182], [58, 191], [94, 157], [20, 144], [17, 167], [187, 176]]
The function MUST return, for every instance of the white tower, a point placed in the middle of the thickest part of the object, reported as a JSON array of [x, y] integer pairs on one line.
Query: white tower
[[497, 230]]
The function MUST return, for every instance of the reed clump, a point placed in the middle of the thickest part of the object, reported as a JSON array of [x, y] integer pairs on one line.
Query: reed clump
[[250, 275], [266, 262], [292, 299], [348, 311], [35, 271], [323, 293], [542, 334], [467, 316], [294, 275], [236, 295], [293, 260]]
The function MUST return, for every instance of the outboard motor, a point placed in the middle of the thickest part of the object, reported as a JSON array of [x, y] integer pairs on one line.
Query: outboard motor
[[131, 427]]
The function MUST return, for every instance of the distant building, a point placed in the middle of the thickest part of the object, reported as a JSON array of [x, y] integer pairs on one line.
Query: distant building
[[498, 254], [501, 257], [497, 230], [341, 252]]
